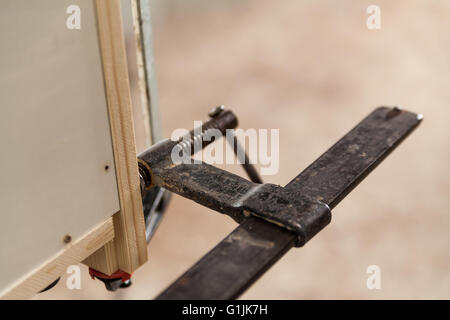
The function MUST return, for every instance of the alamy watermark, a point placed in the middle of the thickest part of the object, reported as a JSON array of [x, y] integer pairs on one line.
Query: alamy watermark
[[374, 20], [263, 147], [73, 22], [374, 280], [73, 281]]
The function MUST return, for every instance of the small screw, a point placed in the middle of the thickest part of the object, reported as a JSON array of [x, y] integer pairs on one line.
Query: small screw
[[216, 111], [67, 238]]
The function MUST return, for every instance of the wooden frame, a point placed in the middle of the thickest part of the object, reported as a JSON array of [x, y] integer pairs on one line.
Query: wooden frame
[[128, 251]]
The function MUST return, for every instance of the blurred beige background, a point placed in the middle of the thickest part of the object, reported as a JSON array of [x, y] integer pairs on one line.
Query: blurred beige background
[[313, 70]]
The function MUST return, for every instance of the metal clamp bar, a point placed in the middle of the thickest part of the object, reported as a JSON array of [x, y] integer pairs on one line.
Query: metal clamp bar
[[244, 255]]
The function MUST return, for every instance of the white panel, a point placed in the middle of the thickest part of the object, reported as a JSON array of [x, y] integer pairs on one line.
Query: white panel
[[55, 138]]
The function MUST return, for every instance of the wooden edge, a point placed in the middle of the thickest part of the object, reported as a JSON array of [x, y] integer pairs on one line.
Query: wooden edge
[[130, 246], [104, 259], [49, 271]]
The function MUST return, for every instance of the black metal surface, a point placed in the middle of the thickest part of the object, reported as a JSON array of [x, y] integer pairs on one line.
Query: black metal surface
[[339, 170], [115, 284], [235, 263]]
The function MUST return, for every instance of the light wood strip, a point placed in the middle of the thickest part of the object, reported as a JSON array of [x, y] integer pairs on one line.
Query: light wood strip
[[129, 243], [104, 259]]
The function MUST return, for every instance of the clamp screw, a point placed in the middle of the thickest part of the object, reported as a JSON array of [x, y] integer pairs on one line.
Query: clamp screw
[[216, 111]]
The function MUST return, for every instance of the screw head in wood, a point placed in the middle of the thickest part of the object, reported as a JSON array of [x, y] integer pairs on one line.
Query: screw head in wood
[[67, 238]]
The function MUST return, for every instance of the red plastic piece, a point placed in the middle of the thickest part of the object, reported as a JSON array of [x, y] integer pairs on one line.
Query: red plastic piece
[[119, 274]]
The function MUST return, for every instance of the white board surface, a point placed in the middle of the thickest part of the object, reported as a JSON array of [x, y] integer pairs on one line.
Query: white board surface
[[55, 140]]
